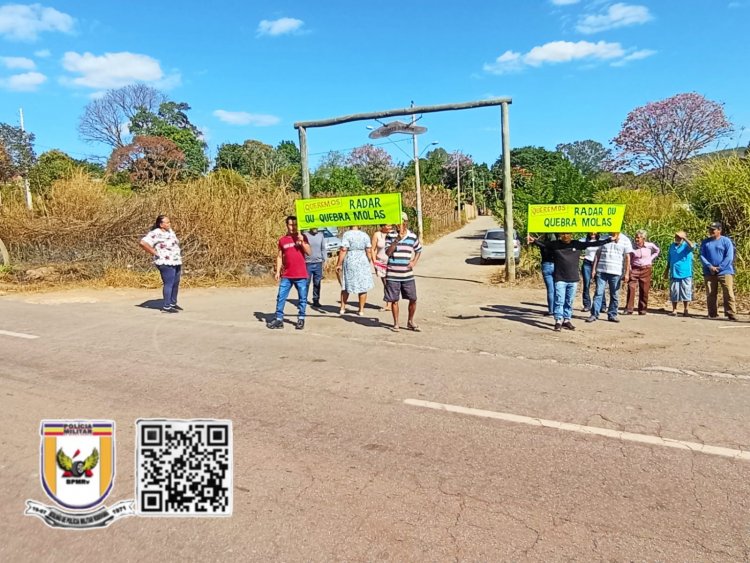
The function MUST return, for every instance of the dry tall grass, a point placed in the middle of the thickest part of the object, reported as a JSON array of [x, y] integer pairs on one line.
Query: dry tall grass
[[227, 226]]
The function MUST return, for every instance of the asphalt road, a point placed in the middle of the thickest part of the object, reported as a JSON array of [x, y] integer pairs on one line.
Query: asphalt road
[[642, 452]]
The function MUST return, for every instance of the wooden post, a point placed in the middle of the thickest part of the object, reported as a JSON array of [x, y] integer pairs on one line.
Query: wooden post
[[510, 260], [304, 162]]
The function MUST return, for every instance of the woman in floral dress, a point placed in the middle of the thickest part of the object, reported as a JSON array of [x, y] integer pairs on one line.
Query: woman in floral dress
[[162, 244], [355, 263]]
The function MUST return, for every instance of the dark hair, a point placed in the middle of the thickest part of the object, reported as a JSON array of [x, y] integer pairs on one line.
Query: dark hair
[[157, 222], [290, 218]]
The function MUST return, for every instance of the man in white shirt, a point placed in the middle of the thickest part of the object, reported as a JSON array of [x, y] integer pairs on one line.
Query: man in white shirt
[[612, 267]]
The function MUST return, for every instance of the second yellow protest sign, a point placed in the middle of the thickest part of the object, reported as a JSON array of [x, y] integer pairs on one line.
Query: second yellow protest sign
[[576, 218], [340, 211]]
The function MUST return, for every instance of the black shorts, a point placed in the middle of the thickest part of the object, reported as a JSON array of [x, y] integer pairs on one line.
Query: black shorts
[[395, 289]]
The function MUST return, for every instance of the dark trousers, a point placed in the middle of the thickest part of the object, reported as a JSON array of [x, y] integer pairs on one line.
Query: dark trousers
[[640, 280], [587, 274], [170, 277], [315, 273]]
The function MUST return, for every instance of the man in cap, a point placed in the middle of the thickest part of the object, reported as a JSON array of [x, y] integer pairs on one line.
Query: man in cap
[[403, 254], [679, 272], [717, 257]]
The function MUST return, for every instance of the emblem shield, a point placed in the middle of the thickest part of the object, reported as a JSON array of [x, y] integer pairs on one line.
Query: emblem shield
[[78, 461]]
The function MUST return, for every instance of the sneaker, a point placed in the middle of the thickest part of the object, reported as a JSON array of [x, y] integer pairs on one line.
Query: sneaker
[[591, 319], [731, 318], [547, 314], [300, 324], [316, 304], [558, 327], [613, 319], [276, 323], [568, 325], [177, 307], [586, 309], [168, 310], [629, 312]]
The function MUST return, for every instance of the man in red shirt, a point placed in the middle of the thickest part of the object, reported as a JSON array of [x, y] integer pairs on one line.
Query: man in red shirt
[[291, 271]]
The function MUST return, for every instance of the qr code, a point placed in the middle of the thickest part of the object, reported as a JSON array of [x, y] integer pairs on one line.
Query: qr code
[[184, 467]]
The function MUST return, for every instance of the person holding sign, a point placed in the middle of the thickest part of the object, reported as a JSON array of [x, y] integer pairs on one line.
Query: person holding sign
[[380, 241], [291, 270], [566, 253], [355, 264], [403, 254]]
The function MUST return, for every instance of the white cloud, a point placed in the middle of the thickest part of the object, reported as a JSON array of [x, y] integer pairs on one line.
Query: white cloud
[[617, 15], [555, 52], [26, 82], [564, 2], [244, 118], [20, 22], [634, 56], [114, 70], [42, 53], [279, 27], [18, 62]]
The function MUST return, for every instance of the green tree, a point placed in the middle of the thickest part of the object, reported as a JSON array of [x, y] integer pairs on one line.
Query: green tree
[[51, 165], [19, 147], [171, 122], [432, 166], [290, 152], [589, 157]]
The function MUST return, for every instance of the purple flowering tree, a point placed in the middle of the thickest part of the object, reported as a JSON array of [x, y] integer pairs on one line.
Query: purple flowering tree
[[661, 136], [373, 165]]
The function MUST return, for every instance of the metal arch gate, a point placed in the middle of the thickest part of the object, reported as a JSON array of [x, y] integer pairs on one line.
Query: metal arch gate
[[302, 126]]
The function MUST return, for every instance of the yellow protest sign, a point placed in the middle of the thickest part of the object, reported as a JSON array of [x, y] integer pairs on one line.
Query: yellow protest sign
[[576, 218], [340, 211]]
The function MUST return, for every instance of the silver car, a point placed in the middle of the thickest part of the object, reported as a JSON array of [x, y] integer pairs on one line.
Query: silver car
[[333, 243], [493, 246]]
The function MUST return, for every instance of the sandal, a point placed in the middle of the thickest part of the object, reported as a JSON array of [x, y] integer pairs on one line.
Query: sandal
[[412, 326], [395, 329]]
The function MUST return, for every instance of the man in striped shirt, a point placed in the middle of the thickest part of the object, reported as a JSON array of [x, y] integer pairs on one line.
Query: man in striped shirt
[[403, 254]]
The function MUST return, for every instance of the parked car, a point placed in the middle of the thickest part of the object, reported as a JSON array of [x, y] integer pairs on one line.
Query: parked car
[[333, 243], [493, 246]]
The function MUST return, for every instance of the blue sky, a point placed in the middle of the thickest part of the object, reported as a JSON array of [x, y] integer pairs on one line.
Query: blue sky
[[251, 69]]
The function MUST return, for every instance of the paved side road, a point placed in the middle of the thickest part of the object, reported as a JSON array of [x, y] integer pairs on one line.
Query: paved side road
[[336, 456]]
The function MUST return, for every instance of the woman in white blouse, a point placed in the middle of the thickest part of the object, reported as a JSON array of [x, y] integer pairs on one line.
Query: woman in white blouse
[[162, 244]]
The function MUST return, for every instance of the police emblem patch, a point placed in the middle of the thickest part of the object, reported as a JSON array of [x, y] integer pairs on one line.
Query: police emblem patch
[[78, 472]]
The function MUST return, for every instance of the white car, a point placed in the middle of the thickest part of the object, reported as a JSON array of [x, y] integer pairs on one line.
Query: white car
[[493, 246], [333, 243]]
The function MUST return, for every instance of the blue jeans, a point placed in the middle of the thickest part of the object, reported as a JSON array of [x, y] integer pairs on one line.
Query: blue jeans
[[565, 294], [587, 273], [315, 274], [613, 281], [548, 268], [285, 286], [170, 277]]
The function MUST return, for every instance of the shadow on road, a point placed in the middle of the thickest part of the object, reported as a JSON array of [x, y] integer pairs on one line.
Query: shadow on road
[[472, 237], [151, 304], [506, 312], [450, 279]]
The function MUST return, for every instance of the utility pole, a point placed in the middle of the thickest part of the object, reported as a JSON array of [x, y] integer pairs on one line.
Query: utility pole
[[510, 262], [26, 188], [417, 178], [473, 193], [458, 184]]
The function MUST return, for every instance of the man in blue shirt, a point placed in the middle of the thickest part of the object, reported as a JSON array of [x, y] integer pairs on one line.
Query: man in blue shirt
[[717, 257], [679, 272]]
